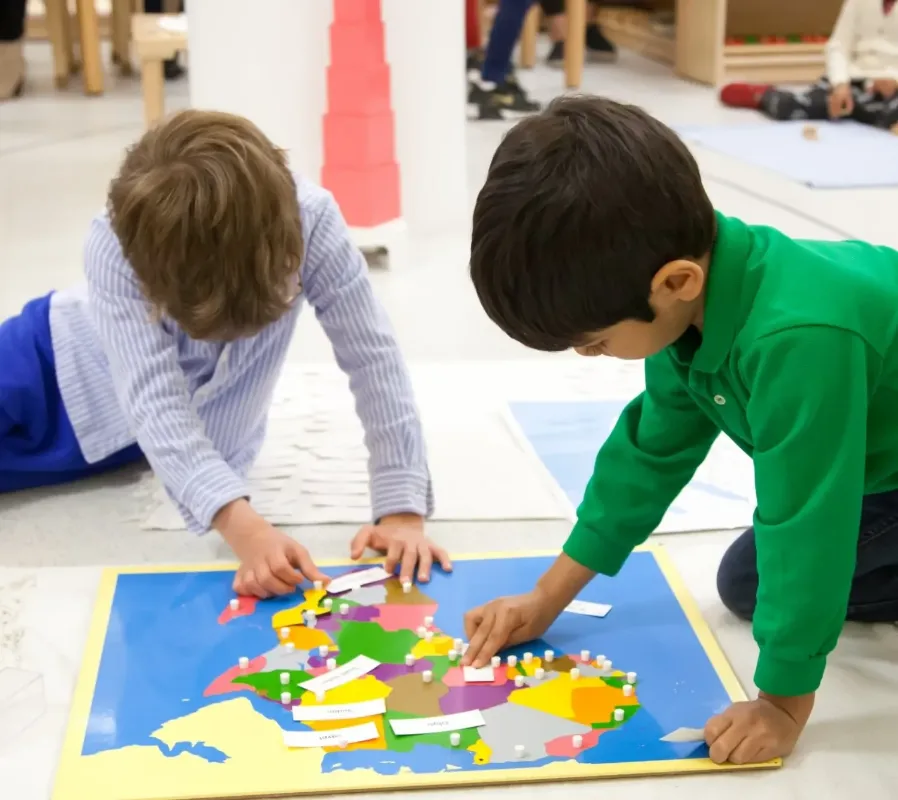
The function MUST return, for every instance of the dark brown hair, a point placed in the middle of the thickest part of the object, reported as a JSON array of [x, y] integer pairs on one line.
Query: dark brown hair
[[205, 208], [582, 205]]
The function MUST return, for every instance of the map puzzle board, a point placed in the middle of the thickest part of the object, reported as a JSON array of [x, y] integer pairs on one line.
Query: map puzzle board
[[163, 709]]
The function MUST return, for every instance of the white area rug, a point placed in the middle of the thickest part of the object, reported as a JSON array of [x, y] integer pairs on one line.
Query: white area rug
[[313, 467]]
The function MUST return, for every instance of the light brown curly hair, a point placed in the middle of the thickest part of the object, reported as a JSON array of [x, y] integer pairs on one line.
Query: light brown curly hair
[[206, 211]]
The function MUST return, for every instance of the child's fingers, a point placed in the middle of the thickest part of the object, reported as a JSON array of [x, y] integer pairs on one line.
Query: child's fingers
[[442, 557], [478, 640], [360, 542], [271, 583], [725, 744], [472, 621], [746, 752], [301, 559], [395, 557], [498, 638], [407, 557], [425, 562]]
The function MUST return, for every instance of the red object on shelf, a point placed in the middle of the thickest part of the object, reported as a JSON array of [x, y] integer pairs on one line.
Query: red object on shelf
[[360, 167]]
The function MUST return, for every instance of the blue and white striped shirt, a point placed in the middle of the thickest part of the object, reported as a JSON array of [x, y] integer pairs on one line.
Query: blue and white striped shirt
[[198, 410]]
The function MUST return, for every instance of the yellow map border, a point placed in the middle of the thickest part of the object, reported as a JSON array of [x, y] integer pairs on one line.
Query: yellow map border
[[69, 787]]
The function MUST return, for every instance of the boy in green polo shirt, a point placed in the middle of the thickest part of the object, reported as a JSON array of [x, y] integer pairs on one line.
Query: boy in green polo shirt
[[593, 232]]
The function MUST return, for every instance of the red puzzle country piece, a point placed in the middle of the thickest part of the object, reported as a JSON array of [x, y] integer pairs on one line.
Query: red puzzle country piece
[[356, 142], [359, 92], [367, 197], [357, 45], [356, 10]]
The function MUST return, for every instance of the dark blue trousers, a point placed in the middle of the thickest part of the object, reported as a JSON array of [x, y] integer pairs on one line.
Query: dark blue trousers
[[37, 443], [874, 590]]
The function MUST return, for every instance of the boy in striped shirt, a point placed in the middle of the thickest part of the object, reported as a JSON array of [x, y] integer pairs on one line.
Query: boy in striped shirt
[[196, 275]]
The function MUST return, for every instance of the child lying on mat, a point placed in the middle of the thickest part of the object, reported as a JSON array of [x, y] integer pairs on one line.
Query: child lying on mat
[[861, 79], [195, 279], [593, 232]]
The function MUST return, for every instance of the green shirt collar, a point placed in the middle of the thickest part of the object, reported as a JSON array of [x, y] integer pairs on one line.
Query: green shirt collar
[[724, 296]]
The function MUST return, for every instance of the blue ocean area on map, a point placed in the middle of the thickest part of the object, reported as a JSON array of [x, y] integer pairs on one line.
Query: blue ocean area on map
[[567, 436], [164, 646]]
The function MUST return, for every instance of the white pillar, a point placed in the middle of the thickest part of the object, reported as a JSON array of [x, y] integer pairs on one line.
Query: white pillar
[[267, 61]]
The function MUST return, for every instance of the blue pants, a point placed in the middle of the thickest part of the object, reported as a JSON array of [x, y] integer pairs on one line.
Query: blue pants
[[504, 35], [874, 590], [37, 443]]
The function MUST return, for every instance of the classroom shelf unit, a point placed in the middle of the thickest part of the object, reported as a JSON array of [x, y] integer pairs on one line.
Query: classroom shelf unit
[[649, 32], [718, 41]]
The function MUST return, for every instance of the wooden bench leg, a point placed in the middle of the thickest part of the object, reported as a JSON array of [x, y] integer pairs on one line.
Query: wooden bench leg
[[152, 83], [89, 28], [57, 29], [529, 36], [575, 43], [121, 35]]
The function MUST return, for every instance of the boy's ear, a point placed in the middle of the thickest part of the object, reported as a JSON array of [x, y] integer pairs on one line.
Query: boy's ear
[[679, 280]]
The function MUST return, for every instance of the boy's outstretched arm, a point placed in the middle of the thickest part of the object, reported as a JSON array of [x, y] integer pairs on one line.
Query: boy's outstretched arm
[[808, 420], [335, 282], [657, 444]]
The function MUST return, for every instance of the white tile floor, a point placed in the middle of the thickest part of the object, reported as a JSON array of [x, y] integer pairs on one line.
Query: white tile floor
[[57, 152]]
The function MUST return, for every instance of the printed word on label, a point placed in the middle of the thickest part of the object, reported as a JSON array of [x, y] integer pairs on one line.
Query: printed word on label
[[367, 708], [353, 580], [589, 609], [360, 665], [338, 737], [449, 722]]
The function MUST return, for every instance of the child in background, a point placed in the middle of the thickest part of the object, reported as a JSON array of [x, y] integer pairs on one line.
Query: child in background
[[195, 279], [861, 81], [599, 48], [593, 232]]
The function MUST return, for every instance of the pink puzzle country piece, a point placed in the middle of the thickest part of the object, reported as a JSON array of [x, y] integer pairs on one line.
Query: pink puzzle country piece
[[456, 677], [245, 607], [563, 746], [223, 684], [473, 698], [402, 618]]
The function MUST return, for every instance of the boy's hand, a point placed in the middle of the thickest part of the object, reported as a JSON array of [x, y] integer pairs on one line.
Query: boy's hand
[[885, 87], [759, 730], [271, 563], [503, 623], [841, 102], [401, 538]]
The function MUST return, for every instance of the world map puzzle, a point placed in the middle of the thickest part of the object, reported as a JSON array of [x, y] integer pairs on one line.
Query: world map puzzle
[[185, 686]]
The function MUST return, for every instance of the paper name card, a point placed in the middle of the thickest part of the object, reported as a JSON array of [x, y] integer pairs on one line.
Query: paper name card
[[338, 737], [685, 735], [479, 675], [449, 722], [353, 580], [360, 665], [589, 609], [322, 713]]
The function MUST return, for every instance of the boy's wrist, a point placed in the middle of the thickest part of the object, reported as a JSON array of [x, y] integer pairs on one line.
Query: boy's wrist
[[799, 708], [236, 520], [561, 584]]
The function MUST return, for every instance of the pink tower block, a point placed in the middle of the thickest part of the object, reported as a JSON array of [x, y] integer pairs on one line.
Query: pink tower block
[[360, 166], [356, 10], [367, 197], [358, 141], [363, 92], [359, 45]]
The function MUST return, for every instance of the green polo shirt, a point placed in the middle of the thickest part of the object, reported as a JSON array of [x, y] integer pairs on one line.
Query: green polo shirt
[[798, 364]]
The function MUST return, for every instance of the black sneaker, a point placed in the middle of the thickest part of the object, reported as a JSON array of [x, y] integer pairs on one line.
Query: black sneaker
[[473, 63], [507, 100], [556, 55], [598, 48], [172, 69]]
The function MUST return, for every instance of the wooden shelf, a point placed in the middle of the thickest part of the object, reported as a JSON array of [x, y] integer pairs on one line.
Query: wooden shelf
[[704, 26]]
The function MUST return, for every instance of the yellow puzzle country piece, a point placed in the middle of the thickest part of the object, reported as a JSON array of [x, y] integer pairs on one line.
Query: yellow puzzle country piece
[[482, 752], [257, 763], [438, 646], [584, 700], [293, 616], [357, 691]]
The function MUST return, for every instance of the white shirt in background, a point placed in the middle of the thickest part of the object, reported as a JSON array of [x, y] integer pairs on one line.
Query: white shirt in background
[[864, 43]]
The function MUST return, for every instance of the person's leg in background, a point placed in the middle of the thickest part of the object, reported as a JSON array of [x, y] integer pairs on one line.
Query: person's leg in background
[[784, 104], [172, 68], [598, 47], [498, 95], [473, 40], [12, 58]]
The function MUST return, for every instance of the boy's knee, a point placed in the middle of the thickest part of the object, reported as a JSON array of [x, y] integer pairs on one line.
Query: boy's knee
[[778, 105], [737, 577]]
